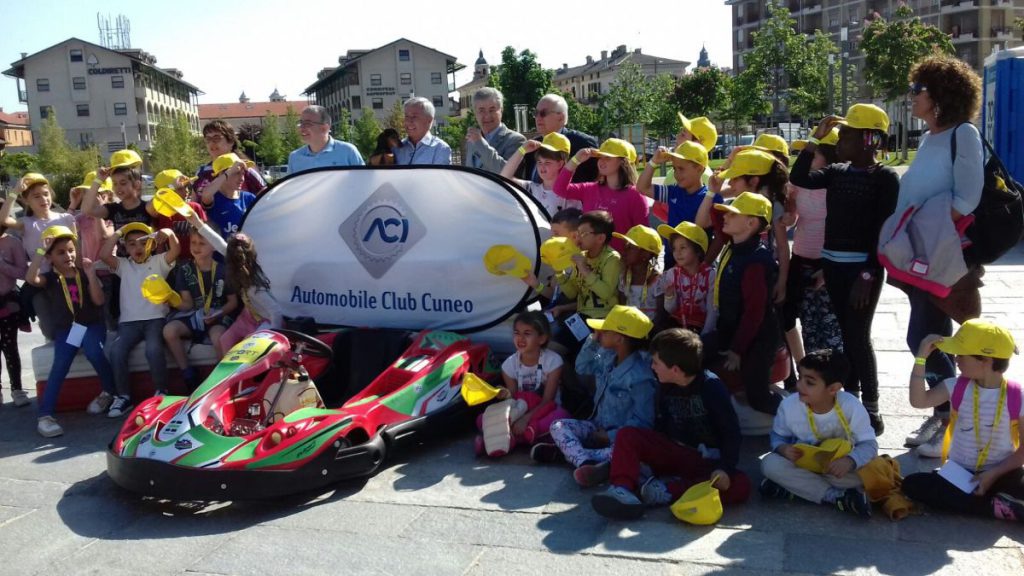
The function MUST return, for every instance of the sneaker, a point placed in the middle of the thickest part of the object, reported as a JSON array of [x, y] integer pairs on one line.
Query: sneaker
[[119, 407], [876, 423], [100, 404], [932, 427], [933, 447], [1006, 507], [654, 492], [855, 502], [547, 453], [619, 503], [590, 475], [20, 398], [773, 491], [48, 427]]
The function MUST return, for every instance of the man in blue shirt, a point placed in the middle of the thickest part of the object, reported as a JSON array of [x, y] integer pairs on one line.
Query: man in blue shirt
[[420, 146], [320, 149]]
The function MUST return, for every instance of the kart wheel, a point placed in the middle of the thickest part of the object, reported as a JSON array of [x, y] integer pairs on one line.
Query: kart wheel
[[311, 346]]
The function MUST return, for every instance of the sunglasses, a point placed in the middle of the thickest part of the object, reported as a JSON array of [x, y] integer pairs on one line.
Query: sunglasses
[[544, 113], [916, 88]]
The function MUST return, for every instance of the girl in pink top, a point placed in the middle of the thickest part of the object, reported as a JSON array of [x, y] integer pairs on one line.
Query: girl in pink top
[[615, 190]]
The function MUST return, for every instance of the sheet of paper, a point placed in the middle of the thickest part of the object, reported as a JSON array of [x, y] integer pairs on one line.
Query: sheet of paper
[[958, 476], [76, 335], [578, 327]]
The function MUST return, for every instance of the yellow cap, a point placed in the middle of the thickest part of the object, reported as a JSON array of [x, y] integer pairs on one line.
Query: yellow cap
[[687, 230], [54, 232], [156, 290], [749, 204], [817, 458], [772, 143], [831, 139], [125, 159], [505, 260], [558, 252], [475, 390], [135, 227], [687, 123], [225, 161], [866, 117], [626, 320], [749, 162], [704, 129], [701, 504], [556, 143], [33, 178], [642, 237], [691, 151], [616, 148], [167, 202], [977, 337], [168, 178], [797, 145], [90, 176]]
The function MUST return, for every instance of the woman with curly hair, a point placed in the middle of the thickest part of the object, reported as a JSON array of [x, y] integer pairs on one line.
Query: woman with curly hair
[[946, 95]]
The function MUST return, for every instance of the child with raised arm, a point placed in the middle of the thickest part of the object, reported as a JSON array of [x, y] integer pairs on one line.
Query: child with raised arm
[[75, 298], [125, 172], [181, 185], [223, 198], [983, 440], [614, 191], [820, 411], [550, 155], [140, 319]]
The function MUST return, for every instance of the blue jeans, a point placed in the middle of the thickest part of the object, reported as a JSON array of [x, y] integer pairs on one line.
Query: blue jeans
[[128, 335], [925, 319], [64, 354]]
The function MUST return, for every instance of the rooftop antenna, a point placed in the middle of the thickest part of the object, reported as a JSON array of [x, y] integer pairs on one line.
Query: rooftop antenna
[[116, 36]]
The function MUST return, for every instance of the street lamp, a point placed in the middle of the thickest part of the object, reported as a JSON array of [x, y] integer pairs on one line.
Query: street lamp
[[845, 48], [831, 83]]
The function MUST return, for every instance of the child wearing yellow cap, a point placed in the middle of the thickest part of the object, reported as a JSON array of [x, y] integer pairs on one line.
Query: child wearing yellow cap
[[91, 230], [614, 192], [700, 130], [639, 285], [36, 195], [982, 441], [549, 156], [180, 183], [688, 286], [225, 198], [623, 396], [860, 194], [125, 173], [75, 298]]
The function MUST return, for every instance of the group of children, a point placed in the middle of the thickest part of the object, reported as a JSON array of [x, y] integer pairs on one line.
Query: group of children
[[85, 271], [650, 416]]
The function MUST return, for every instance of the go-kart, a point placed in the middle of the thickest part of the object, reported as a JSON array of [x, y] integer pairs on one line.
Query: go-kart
[[258, 427]]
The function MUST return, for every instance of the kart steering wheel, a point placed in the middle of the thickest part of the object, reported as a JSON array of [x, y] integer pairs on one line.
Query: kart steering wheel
[[313, 347]]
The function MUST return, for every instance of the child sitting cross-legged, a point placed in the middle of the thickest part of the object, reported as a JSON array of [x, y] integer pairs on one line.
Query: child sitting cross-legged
[[818, 412], [623, 396], [983, 436], [696, 436]]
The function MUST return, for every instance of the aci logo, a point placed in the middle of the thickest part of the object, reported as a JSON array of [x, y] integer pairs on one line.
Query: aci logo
[[381, 230]]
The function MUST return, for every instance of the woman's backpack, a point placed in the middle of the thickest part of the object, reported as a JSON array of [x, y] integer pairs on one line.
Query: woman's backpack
[[999, 218]]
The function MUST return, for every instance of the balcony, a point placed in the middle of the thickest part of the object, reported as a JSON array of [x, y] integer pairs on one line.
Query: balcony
[[23, 96], [952, 6]]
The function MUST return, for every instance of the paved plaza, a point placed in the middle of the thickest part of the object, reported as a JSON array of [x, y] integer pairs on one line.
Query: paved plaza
[[437, 510]]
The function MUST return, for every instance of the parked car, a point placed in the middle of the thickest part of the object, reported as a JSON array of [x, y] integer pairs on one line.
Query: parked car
[[276, 172]]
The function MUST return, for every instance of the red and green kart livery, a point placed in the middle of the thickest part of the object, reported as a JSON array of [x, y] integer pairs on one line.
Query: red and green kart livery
[[257, 427]]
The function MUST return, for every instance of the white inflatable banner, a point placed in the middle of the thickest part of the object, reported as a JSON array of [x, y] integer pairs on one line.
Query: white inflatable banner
[[398, 247]]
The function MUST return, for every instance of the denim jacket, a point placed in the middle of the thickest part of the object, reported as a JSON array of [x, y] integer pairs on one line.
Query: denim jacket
[[624, 395]]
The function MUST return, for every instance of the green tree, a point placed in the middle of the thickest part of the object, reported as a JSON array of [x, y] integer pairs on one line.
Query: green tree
[[365, 132], [1018, 23], [343, 126], [664, 120], [270, 146], [584, 118], [64, 165], [808, 96], [396, 118], [16, 165], [891, 48], [249, 135], [701, 92], [291, 139], [629, 98], [175, 146], [521, 79], [453, 132], [745, 101]]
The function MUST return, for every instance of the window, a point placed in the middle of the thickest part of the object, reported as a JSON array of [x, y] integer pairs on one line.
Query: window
[[76, 55], [438, 101], [435, 77], [117, 81], [357, 102], [44, 112], [43, 84], [405, 78], [120, 109], [403, 55], [78, 82], [375, 80], [83, 109], [377, 103]]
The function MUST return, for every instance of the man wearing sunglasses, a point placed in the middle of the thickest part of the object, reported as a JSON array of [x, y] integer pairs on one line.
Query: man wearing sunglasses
[[320, 148], [552, 115]]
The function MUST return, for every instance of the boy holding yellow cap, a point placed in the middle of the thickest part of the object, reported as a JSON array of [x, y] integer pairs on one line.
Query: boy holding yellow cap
[[169, 218], [550, 155], [700, 130], [983, 441]]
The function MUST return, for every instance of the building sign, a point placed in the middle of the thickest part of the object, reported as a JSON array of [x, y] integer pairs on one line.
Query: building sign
[[380, 91], [96, 71], [400, 247]]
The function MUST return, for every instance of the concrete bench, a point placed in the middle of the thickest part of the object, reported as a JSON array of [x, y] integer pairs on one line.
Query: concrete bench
[[82, 384]]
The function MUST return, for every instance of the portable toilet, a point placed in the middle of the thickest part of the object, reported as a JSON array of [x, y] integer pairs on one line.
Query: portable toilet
[[1002, 112]]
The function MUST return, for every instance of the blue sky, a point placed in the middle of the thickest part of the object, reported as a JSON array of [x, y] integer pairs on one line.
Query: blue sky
[[259, 45]]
